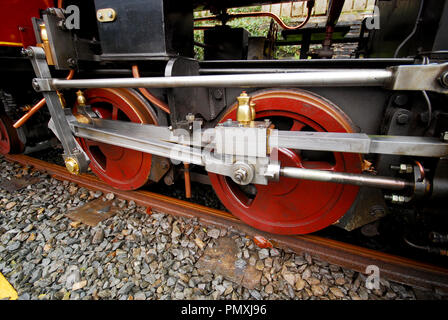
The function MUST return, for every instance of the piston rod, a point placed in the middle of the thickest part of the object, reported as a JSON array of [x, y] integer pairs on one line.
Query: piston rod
[[372, 77], [346, 178]]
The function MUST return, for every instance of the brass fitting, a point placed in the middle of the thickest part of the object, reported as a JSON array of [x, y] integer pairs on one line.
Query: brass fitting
[[246, 109], [81, 100], [72, 165], [46, 44], [61, 99], [81, 118]]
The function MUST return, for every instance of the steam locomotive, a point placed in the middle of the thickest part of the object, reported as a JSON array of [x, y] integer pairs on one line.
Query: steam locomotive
[[289, 146]]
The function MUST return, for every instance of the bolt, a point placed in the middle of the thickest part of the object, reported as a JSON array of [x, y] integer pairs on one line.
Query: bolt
[[406, 168], [164, 165], [402, 118], [100, 15], [36, 85], [445, 136], [240, 175], [376, 210], [403, 168], [424, 117], [189, 117], [397, 199], [217, 93], [401, 100], [72, 165], [61, 25], [168, 180], [71, 62], [110, 15], [27, 52], [444, 79]]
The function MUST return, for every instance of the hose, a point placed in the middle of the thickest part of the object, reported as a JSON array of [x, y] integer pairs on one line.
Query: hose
[[160, 104]]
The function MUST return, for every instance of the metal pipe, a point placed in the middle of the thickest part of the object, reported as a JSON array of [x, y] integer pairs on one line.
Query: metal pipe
[[187, 180], [334, 78], [345, 178], [230, 16], [153, 99]]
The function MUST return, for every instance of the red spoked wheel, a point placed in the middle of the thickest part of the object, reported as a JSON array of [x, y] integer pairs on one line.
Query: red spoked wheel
[[121, 168], [9, 140], [292, 206]]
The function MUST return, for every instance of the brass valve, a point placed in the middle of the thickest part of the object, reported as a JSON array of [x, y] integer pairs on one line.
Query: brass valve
[[245, 113], [81, 100]]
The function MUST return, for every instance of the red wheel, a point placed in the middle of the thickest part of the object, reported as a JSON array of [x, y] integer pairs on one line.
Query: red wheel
[[292, 206], [9, 140], [122, 168]]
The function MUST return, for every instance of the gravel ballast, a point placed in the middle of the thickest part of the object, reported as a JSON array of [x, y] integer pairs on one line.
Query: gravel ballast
[[138, 256]]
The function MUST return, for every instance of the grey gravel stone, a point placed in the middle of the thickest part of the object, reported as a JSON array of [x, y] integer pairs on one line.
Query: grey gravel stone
[[13, 246], [263, 254], [127, 287], [98, 236], [213, 233], [110, 196], [240, 263], [140, 296]]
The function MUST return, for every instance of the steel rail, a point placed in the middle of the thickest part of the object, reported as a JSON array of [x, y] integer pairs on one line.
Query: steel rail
[[395, 268]]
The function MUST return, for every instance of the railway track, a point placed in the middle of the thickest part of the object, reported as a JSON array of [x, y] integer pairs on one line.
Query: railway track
[[395, 268]]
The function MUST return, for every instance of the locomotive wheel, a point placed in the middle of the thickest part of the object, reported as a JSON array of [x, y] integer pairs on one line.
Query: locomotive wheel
[[121, 168], [9, 140], [292, 206]]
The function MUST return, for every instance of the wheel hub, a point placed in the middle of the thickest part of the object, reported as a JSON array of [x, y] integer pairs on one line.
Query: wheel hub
[[292, 206]]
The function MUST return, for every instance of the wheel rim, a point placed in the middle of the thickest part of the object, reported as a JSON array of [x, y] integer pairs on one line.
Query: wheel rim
[[122, 168], [5, 143], [293, 206]]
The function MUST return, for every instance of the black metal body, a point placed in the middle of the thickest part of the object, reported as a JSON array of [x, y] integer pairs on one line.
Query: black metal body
[[144, 30]]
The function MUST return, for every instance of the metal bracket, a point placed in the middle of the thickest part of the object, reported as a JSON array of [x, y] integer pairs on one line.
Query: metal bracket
[[41, 85], [59, 121], [429, 77]]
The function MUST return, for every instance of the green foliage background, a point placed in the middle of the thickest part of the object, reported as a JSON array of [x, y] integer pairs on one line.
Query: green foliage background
[[257, 27]]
